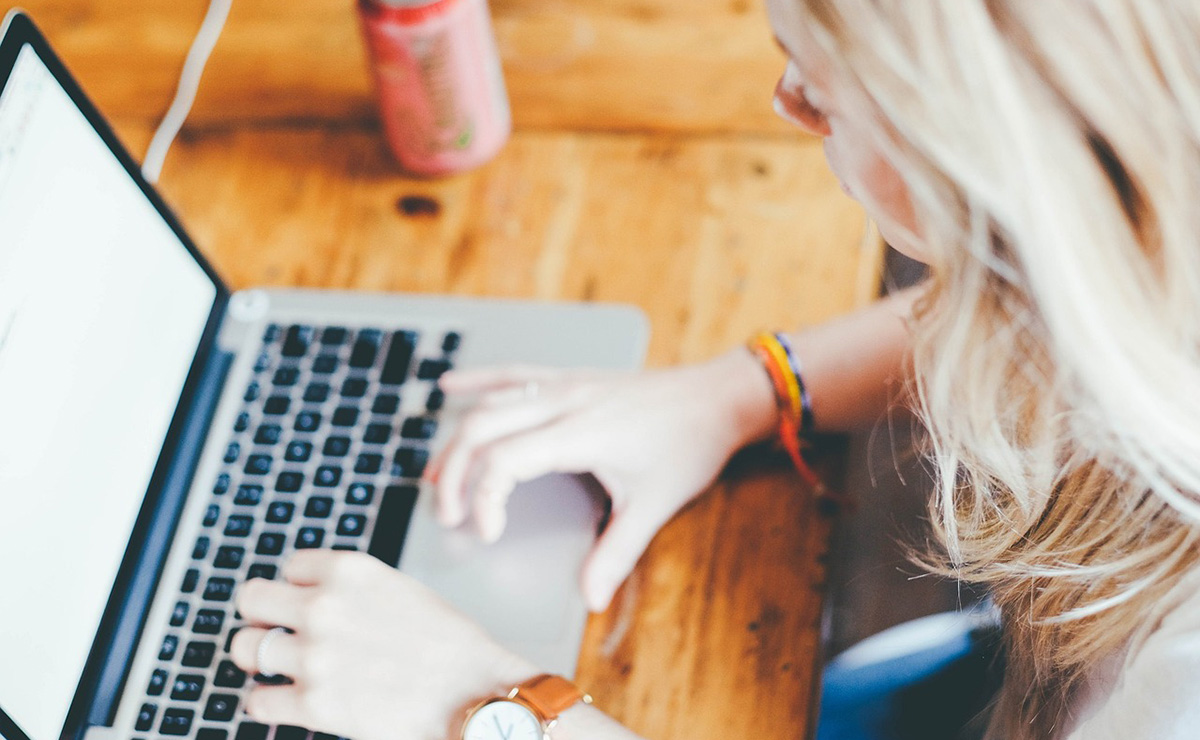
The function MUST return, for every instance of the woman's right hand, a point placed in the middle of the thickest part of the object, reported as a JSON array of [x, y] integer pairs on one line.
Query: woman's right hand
[[653, 440]]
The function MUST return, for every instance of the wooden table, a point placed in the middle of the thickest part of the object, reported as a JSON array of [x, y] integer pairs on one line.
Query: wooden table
[[646, 167]]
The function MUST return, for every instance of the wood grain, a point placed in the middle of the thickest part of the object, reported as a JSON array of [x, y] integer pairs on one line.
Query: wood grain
[[582, 65]]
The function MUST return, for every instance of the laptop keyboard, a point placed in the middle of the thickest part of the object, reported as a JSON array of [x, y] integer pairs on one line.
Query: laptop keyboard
[[325, 453]]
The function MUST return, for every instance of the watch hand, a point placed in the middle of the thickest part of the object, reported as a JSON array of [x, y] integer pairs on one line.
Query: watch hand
[[503, 734]]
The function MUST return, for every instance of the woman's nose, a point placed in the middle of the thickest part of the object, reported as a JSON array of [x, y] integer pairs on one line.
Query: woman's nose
[[792, 105]]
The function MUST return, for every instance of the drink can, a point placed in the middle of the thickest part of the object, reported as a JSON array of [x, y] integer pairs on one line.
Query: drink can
[[437, 73]]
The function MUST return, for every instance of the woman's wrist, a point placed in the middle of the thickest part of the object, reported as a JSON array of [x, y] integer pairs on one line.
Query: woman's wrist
[[744, 389]]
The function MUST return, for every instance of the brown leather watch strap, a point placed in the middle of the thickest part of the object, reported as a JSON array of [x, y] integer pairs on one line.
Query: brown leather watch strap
[[550, 695]]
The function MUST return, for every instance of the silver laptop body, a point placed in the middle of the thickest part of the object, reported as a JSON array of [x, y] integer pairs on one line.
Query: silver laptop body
[[208, 434]]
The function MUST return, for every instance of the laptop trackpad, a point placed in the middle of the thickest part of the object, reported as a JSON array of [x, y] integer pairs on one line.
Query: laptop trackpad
[[523, 589]]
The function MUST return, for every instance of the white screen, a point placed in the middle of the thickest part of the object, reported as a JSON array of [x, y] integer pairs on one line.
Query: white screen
[[101, 311]]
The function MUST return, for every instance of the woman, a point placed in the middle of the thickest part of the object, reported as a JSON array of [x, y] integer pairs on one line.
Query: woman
[[1043, 158]]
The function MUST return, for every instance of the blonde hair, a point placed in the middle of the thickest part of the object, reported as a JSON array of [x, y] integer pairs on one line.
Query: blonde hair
[[1051, 149]]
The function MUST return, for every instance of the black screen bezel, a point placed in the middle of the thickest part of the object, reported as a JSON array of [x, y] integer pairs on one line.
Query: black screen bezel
[[19, 31]]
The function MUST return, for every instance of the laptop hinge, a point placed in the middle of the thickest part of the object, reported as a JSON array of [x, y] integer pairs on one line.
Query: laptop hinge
[[136, 602]]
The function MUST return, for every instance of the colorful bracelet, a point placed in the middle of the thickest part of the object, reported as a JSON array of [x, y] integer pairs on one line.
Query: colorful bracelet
[[791, 399]]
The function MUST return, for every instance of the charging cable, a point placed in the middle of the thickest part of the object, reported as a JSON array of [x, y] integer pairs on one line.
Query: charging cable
[[185, 93]]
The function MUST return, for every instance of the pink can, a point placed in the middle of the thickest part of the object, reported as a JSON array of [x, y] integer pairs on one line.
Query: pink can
[[441, 90]]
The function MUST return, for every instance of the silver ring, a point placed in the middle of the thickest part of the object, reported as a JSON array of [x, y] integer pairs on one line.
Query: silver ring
[[531, 389], [268, 638]]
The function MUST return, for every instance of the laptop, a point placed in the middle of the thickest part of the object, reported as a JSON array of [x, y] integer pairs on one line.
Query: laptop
[[163, 440]]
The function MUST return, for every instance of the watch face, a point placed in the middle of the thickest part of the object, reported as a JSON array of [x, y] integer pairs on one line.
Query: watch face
[[503, 720]]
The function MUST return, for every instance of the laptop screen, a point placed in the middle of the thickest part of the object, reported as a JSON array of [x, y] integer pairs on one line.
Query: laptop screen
[[102, 308]]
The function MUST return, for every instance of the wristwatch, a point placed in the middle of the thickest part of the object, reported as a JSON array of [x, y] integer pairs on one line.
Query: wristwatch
[[525, 713]]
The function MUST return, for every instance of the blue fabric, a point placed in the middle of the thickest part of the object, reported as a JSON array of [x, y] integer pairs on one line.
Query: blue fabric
[[933, 694]]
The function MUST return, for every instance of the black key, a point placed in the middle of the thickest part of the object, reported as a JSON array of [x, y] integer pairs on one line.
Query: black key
[[309, 537], [222, 484], [233, 452], [333, 336], [267, 434], [298, 451], [337, 446], [260, 464], [296, 341], [368, 463], [418, 427], [220, 707], [252, 392], [351, 525], [279, 512], [399, 358], [229, 676], [319, 507], [307, 421], [451, 341], [432, 369], [289, 481], [211, 733], [345, 416], [316, 392], [277, 405], [145, 718], [229, 557], [271, 333], [251, 731], [208, 622], [354, 388], [436, 400], [158, 682], [360, 493], [211, 515], [327, 476], [187, 687], [190, 580], [262, 570], [322, 736], [262, 362], [242, 423], [391, 524], [170, 644], [346, 546], [285, 377], [176, 722], [387, 403], [248, 494], [410, 462], [239, 526], [179, 614], [232, 634], [200, 551], [366, 349], [290, 732], [325, 364], [218, 589], [199, 654], [377, 434], [270, 543]]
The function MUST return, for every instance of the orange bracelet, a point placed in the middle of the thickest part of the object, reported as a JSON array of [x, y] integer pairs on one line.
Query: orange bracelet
[[788, 401]]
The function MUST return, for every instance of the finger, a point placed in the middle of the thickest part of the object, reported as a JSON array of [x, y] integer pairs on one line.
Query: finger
[[271, 603], [278, 705], [502, 465], [311, 567], [615, 554], [282, 656], [477, 430], [485, 379]]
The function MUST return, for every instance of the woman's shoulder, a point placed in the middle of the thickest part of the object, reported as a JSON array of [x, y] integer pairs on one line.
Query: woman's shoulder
[[1150, 690]]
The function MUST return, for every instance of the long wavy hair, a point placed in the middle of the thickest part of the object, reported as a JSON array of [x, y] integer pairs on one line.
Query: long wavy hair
[[1051, 149]]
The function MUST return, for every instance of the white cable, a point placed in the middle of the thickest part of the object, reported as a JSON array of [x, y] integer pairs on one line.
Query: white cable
[[185, 93]]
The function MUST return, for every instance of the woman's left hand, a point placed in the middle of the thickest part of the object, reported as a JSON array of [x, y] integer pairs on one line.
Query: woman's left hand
[[373, 653]]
